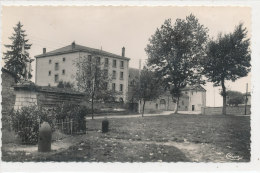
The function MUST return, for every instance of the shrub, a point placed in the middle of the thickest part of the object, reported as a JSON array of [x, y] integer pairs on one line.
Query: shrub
[[67, 111], [26, 121]]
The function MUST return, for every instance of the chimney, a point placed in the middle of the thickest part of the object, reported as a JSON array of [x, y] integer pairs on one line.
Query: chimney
[[44, 50], [73, 45], [123, 51]]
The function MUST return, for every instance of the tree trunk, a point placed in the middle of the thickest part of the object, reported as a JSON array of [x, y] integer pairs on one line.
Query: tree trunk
[[224, 94], [143, 109], [177, 106], [92, 106]]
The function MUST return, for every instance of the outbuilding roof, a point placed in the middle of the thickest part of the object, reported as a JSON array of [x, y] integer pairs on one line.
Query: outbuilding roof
[[78, 48]]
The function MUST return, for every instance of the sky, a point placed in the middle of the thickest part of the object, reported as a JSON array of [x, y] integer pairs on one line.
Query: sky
[[111, 28]]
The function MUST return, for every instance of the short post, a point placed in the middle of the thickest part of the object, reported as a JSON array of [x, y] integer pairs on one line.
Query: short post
[[105, 125], [44, 140]]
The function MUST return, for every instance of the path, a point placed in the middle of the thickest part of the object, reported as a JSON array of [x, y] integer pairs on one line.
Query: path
[[130, 116]]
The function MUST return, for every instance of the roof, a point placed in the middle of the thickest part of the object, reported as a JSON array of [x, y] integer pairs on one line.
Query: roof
[[28, 85], [194, 87], [79, 48]]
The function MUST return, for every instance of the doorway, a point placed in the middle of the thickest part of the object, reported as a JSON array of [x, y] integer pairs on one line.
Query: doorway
[[193, 107]]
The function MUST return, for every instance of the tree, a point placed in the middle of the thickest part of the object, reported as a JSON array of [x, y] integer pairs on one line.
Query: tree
[[64, 84], [93, 80], [228, 58], [174, 52], [234, 98], [17, 57], [148, 87]]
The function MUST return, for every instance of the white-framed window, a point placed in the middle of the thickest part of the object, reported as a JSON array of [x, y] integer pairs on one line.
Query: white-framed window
[[114, 74], [113, 87], [106, 62], [121, 75], [121, 87], [56, 78], [56, 66], [114, 63], [122, 64]]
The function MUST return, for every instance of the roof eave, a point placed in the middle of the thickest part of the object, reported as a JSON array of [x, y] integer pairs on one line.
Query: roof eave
[[78, 50]]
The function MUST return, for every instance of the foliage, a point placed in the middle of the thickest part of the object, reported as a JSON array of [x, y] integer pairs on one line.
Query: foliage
[[148, 88], [93, 80], [72, 112], [228, 58], [26, 121], [15, 61], [234, 98], [64, 84], [174, 52]]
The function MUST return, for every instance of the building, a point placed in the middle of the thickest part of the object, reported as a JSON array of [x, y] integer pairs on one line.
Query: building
[[60, 65], [193, 97]]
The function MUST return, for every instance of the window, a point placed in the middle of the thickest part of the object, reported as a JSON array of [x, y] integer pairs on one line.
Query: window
[[63, 59], [49, 73], [121, 87], [56, 66], [49, 61], [121, 75], [63, 72], [182, 102], [89, 58], [114, 74], [114, 63], [122, 64], [113, 87], [98, 60], [106, 62], [56, 78]]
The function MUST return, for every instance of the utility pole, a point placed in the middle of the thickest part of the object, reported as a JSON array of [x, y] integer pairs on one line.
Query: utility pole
[[246, 97], [139, 107]]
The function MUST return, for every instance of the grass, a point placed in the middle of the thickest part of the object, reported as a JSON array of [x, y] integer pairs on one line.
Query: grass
[[157, 138]]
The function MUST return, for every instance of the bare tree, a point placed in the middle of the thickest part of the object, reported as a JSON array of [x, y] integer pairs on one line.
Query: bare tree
[[93, 78]]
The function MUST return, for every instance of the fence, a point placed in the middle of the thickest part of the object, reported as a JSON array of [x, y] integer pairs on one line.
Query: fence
[[70, 126], [232, 110]]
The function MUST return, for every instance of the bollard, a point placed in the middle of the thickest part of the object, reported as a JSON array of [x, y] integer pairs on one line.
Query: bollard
[[44, 139], [105, 124]]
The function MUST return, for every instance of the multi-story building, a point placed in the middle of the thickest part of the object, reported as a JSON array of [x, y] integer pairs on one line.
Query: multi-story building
[[193, 97], [60, 65]]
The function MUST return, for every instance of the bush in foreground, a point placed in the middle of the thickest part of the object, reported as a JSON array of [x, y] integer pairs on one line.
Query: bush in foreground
[[26, 121]]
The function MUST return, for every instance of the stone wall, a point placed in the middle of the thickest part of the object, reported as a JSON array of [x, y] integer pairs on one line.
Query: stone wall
[[25, 98], [8, 95], [30, 94], [231, 110]]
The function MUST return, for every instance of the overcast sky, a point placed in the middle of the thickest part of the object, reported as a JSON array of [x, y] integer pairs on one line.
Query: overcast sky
[[114, 27]]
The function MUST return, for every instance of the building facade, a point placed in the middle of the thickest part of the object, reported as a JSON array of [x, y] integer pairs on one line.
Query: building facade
[[193, 97], [60, 65]]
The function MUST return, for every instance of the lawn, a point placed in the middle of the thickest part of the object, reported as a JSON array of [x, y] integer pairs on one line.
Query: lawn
[[171, 138]]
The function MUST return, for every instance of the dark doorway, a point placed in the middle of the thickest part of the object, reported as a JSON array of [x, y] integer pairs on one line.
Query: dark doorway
[[193, 107]]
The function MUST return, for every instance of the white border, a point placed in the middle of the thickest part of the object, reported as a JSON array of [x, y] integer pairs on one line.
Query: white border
[[253, 166]]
